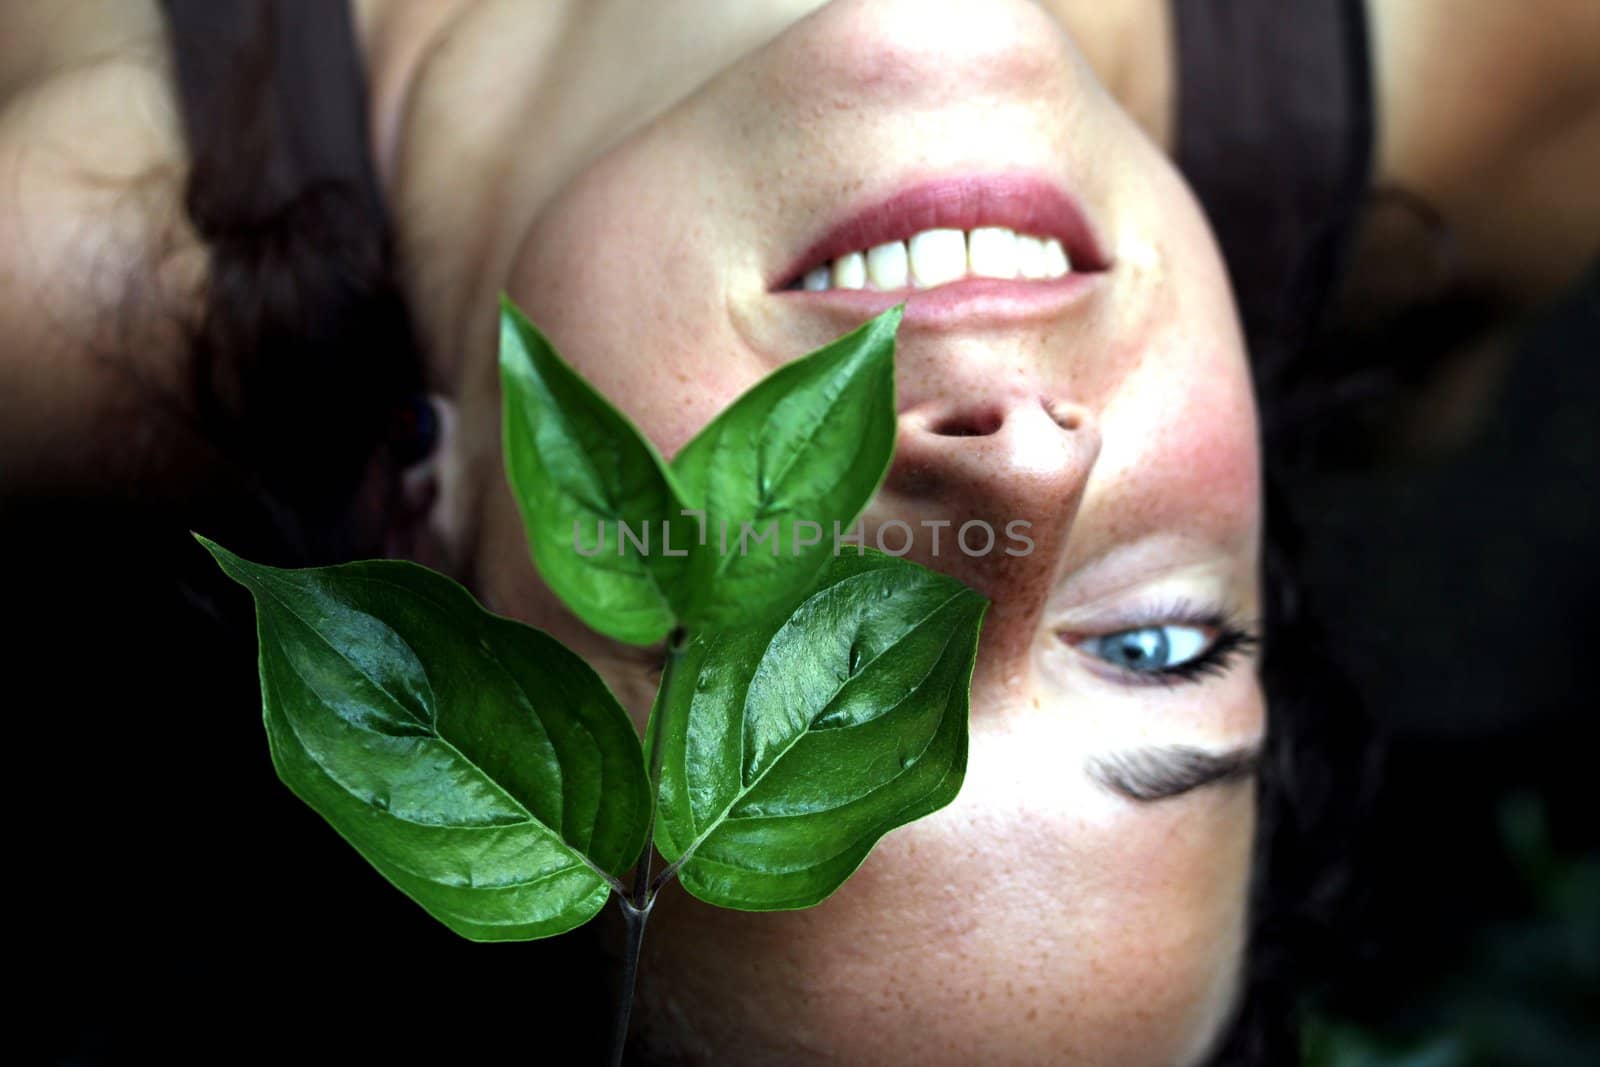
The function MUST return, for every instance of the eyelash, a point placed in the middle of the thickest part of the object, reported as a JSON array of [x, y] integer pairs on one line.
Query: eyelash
[[1232, 642]]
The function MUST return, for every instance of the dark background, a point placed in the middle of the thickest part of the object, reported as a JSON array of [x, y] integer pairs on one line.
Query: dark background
[[174, 903], [178, 904], [1464, 595]]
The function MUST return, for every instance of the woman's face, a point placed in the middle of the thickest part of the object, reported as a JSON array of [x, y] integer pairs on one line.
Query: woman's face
[[1050, 914]]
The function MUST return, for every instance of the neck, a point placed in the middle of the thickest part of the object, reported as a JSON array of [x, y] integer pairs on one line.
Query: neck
[[397, 38]]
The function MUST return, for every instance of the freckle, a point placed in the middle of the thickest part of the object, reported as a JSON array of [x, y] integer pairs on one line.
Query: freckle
[[1033, 1013]]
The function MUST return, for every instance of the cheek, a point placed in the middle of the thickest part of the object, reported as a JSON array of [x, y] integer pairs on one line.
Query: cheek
[[617, 272], [1180, 449], [1209, 436], [1179, 406]]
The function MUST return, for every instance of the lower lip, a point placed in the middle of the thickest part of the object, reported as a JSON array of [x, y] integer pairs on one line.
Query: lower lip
[[964, 303]]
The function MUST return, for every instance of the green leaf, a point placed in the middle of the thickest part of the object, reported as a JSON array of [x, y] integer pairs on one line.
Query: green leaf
[[810, 443], [580, 471], [478, 764], [790, 747]]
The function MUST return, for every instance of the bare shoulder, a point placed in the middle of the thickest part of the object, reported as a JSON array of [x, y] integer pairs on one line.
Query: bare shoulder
[[96, 264], [1491, 111]]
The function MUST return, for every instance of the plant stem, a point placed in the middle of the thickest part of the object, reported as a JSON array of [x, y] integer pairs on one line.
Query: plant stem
[[636, 904], [635, 919], [666, 875]]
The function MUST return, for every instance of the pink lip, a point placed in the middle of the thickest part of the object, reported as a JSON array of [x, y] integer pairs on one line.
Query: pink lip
[[1025, 204]]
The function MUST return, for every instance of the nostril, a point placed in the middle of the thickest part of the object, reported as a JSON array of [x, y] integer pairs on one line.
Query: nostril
[[1066, 416], [970, 424]]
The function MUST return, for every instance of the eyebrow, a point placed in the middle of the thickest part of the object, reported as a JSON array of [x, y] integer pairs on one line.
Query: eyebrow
[[1163, 771]]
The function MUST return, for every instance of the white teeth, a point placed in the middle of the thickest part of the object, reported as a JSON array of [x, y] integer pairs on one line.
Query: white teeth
[[938, 256], [992, 252], [850, 272], [1030, 257], [1056, 264], [935, 257], [886, 265]]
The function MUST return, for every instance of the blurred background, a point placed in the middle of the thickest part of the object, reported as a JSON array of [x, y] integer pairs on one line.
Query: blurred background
[[1461, 584]]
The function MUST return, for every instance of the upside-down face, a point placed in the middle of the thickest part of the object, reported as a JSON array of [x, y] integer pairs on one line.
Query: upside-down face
[[1069, 361]]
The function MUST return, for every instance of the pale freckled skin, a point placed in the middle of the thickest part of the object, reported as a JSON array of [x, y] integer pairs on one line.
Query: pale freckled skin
[[1038, 919]]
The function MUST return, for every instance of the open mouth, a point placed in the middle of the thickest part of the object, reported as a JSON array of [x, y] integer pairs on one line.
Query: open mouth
[[1005, 228]]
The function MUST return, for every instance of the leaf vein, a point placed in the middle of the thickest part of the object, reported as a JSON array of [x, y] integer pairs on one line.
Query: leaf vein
[[745, 790]]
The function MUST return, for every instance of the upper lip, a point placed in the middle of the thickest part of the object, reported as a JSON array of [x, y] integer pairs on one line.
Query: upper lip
[[1023, 203]]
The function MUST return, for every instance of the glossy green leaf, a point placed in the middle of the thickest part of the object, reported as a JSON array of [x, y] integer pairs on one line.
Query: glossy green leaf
[[478, 764], [594, 494], [804, 449], [789, 748]]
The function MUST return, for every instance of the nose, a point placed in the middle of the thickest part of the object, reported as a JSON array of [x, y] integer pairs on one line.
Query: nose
[[985, 486]]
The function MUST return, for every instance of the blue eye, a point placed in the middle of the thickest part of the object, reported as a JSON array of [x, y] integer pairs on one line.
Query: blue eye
[[1150, 648], [1171, 641]]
